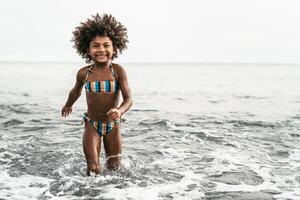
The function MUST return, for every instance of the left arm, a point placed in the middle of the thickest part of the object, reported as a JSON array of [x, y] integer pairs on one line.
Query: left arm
[[126, 94]]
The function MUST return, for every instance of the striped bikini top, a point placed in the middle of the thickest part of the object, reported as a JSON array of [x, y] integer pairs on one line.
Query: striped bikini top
[[106, 86]]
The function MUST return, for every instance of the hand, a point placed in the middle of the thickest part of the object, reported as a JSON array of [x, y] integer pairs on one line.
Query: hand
[[65, 111], [114, 114]]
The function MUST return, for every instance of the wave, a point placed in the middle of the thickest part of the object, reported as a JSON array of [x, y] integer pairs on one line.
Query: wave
[[12, 122], [296, 116], [248, 177], [203, 135], [163, 123], [143, 110], [253, 123], [249, 97], [36, 128], [280, 153], [216, 101], [217, 195], [16, 108]]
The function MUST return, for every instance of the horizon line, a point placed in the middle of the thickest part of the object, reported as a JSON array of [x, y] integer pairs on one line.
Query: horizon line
[[160, 62]]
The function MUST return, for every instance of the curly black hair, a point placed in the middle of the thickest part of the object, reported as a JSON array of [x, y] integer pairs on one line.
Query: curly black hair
[[105, 25]]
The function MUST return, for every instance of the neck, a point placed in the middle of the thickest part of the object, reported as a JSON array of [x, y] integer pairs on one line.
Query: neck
[[102, 65]]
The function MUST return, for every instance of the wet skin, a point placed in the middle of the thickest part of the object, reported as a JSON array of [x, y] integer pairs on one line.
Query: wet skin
[[101, 106]]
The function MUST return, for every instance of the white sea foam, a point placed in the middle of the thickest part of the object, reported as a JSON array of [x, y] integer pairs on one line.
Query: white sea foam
[[22, 187], [295, 195], [176, 190]]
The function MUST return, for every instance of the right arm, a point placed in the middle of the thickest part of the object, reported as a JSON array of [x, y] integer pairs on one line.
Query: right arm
[[74, 93]]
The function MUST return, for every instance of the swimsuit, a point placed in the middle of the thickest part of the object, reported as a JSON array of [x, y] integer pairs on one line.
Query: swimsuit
[[102, 128], [106, 86]]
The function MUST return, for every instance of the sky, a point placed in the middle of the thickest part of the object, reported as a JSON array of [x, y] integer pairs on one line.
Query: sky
[[197, 31]]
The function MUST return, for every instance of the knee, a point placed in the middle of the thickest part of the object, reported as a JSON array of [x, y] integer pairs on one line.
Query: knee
[[93, 168]]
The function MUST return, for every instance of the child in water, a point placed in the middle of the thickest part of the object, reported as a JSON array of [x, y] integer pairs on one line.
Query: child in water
[[99, 40]]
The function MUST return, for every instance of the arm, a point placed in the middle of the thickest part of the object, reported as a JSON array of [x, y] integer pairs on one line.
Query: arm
[[74, 94], [126, 94]]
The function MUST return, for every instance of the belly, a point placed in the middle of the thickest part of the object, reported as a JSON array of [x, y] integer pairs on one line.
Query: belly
[[99, 104]]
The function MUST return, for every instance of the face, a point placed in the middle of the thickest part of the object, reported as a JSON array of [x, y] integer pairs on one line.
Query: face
[[101, 49]]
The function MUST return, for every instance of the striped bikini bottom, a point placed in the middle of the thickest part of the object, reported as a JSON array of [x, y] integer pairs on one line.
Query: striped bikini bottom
[[102, 128]]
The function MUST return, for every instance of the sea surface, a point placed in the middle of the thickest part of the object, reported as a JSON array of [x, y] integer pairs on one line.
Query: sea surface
[[195, 131]]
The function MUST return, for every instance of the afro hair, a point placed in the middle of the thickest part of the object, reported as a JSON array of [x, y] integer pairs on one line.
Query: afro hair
[[105, 25]]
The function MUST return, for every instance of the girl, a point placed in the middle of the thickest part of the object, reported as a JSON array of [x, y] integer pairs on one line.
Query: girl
[[99, 40]]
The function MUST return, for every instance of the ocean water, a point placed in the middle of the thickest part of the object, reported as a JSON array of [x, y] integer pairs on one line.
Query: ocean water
[[195, 131]]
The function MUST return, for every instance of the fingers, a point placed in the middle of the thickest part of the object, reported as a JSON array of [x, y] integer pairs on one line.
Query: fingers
[[66, 112], [114, 114], [111, 112], [63, 114]]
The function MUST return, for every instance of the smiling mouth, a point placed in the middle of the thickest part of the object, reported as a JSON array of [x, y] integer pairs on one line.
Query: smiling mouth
[[101, 56]]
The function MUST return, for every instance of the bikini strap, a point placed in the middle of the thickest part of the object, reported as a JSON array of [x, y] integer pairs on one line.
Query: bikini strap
[[90, 69], [112, 71], [88, 73]]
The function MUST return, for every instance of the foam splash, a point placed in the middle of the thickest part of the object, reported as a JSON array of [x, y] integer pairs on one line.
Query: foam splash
[[186, 188], [23, 187]]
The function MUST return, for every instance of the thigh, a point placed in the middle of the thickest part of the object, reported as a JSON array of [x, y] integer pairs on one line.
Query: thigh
[[91, 143], [113, 142]]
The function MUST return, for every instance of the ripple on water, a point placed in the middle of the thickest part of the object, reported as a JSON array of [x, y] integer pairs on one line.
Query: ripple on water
[[143, 110], [36, 128], [280, 154], [259, 195], [244, 176], [253, 123], [12, 122], [160, 123], [283, 171], [206, 136], [17, 108]]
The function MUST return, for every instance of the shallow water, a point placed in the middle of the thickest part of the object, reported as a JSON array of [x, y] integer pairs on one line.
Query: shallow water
[[194, 132]]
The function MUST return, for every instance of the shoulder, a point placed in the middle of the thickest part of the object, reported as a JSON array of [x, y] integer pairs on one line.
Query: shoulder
[[120, 70], [82, 72]]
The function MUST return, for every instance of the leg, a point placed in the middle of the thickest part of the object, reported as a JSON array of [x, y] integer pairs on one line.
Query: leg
[[91, 146], [113, 147]]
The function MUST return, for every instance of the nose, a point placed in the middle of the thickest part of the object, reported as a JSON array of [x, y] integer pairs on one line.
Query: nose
[[101, 48]]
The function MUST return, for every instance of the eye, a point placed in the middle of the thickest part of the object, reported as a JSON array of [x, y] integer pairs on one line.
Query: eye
[[106, 45], [94, 45]]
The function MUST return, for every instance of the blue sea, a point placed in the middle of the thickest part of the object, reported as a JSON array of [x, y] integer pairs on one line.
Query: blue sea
[[195, 132]]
